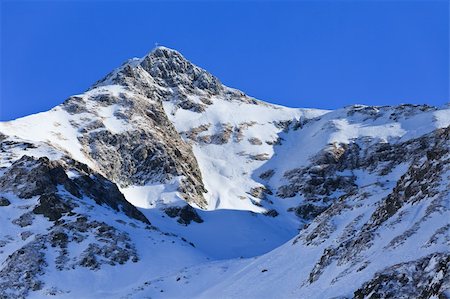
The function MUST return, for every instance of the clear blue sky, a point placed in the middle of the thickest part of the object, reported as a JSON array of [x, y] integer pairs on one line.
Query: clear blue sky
[[324, 54]]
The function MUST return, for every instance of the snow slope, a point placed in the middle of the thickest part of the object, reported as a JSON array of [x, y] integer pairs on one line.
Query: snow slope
[[227, 167]]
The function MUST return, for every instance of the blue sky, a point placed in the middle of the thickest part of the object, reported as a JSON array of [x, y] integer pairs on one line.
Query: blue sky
[[323, 54]]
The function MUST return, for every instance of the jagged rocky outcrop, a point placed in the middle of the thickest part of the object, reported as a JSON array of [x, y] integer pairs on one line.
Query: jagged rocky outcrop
[[185, 215], [427, 277], [30, 177]]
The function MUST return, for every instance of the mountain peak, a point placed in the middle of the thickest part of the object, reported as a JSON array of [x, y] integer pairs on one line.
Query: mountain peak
[[168, 67], [174, 69], [161, 51]]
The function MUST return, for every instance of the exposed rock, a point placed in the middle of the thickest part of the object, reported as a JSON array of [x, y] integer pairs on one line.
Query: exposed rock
[[255, 141], [25, 235], [187, 104], [260, 157], [284, 124], [74, 105], [193, 133], [52, 207], [102, 191], [185, 215], [224, 134], [260, 192], [238, 131], [172, 69], [441, 233], [4, 202], [44, 174], [267, 174], [271, 213], [47, 175], [427, 277], [21, 270], [309, 211], [24, 220]]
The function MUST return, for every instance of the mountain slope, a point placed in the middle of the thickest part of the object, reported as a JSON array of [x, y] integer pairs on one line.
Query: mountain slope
[[160, 181], [366, 247]]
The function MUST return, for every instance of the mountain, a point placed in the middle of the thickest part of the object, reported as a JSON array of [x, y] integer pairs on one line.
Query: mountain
[[159, 181]]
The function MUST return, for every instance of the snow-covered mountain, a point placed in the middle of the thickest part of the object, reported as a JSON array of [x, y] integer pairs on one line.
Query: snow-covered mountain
[[159, 181]]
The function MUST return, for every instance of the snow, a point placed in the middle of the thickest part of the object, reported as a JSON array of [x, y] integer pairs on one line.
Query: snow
[[71, 174], [18, 149], [153, 195], [56, 130], [346, 131], [111, 122], [442, 118], [12, 233]]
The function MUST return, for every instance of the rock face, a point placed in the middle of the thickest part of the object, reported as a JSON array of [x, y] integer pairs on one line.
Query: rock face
[[4, 202], [30, 177], [173, 70], [421, 184], [185, 214], [409, 278], [159, 169]]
